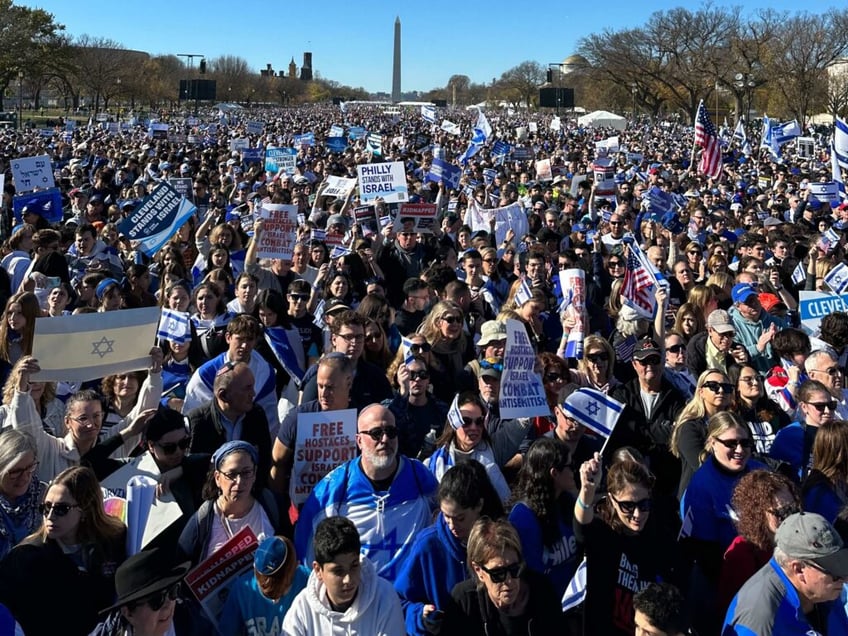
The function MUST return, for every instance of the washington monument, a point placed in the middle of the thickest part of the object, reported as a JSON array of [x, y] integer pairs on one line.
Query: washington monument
[[396, 64]]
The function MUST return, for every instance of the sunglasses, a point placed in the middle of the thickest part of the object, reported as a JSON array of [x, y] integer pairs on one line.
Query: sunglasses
[[676, 348], [615, 264], [824, 571], [485, 364], [718, 387], [731, 444], [784, 511], [61, 509], [616, 223], [649, 361], [407, 234], [157, 600], [377, 433], [821, 406], [419, 375], [629, 507], [597, 357], [498, 575], [299, 297], [373, 337], [553, 377], [420, 348], [170, 449], [451, 320], [472, 421]]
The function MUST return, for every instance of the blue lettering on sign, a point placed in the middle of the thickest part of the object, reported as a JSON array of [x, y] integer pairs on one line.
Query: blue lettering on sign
[[814, 308]]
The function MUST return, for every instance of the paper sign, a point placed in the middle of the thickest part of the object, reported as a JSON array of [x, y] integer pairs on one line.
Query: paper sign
[[813, 306], [279, 232], [255, 127], [324, 440], [365, 217], [29, 173], [416, 217], [277, 159], [382, 180], [522, 393], [824, 192], [543, 170], [339, 187]]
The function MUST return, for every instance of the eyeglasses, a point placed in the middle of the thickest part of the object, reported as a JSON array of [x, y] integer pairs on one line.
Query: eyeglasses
[[490, 260], [61, 509], [718, 387], [498, 575], [85, 419], [597, 357], [234, 475], [299, 297], [352, 337], [821, 406], [407, 234], [826, 572], [629, 507], [170, 449], [157, 600], [472, 421], [553, 377], [676, 348], [424, 347], [750, 379], [17, 473], [377, 433], [731, 444], [485, 363], [451, 320], [419, 375], [832, 371], [650, 361], [616, 223], [615, 264]]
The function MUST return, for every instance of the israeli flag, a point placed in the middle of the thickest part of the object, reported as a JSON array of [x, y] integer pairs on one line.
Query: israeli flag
[[595, 410], [174, 326], [840, 143], [483, 125], [374, 143], [837, 278], [523, 294], [799, 275], [836, 174], [575, 593], [769, 139], [454, 414], [279, 341], [429, 113], [406, 346], [336, 131], [318, 319], [318, 235], [787, 132]]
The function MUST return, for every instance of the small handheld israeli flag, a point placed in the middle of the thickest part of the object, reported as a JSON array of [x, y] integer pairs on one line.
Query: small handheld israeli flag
[[406, 344], [318, 235], [339, 251], [575, 593], [594, 410], [318, 320], [837, 278], [454, 414], [174, 326], [523, 294], [799, 275], [429, 113]]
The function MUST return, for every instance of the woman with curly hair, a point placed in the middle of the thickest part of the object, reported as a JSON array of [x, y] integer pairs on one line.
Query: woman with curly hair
[[761, 501], [442, 328], [825, 490], [543, 513]]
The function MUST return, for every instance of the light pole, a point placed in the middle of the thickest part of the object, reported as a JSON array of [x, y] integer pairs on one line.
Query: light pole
[[747, 83], [634, 88], [20, 100]]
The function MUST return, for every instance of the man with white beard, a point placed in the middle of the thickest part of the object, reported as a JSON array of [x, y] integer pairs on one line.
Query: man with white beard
[[389, 497]]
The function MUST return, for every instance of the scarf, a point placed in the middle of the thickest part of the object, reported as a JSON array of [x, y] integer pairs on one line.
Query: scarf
[[26, 512]]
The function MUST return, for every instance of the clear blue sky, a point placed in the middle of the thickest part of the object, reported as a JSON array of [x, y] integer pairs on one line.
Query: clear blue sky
[[351, 42]]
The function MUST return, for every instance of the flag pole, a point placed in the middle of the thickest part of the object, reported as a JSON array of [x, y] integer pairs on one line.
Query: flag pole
[[694, 144]]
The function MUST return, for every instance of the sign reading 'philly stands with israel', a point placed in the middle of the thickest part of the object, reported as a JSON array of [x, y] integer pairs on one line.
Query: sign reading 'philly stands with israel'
[[157, 219]]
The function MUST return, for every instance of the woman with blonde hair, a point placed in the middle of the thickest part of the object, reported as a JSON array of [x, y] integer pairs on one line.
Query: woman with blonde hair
[[79, 546], [451, 350], [703, 298], [595, 369], [713, 393], [43, 394]]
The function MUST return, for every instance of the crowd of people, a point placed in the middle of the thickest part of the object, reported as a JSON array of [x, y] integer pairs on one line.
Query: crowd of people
[[716, 505]]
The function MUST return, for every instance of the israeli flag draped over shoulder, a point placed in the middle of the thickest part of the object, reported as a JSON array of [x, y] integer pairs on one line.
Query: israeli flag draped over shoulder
[[280, 343], [594, 410], [174, 326]]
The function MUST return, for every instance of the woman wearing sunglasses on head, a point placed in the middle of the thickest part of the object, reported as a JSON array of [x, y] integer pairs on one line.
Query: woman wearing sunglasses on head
[[78, 547], [708, 528], [713, 393], [503, 596], [623, 553], [466, 436]]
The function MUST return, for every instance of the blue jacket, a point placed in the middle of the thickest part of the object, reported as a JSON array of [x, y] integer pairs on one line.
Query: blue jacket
[[558, 562], [821, 498], [705, 505], [794, 445], [248, 611], [768, 605], [435, 565]]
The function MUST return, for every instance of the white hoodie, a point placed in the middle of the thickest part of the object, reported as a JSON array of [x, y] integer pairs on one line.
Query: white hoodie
[[376, 610]]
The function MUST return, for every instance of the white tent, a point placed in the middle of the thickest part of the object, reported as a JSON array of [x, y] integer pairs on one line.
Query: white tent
[[602, 119]]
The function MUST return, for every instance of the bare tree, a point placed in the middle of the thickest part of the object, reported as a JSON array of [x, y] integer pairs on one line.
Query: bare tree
[[522, 82], [100, 64]]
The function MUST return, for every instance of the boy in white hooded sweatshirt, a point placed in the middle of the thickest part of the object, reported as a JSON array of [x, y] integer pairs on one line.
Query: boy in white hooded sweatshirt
[[344, 594]]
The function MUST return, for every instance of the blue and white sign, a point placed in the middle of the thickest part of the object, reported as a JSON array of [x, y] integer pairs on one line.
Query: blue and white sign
[[443, 172], [824, 192], [306, 139], [255, 127], [385, 181], [157, 219], [336, 144], [336, 131], [277, 159], [356, 132], [29, 173], [813, 306], [522, 393]]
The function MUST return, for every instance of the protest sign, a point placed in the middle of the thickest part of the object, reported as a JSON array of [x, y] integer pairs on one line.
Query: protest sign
[[252, 155], [157, 219], [339, 187], [255, 128], [543, 170], [181, 185], [813, 306], [806, 147], [575, 183], [533, 127], [827, 192], [336, 131], [336, 144], [279, 231], [382, 180], [572, 283], [522, 393], [510, 217], [102, 344], [46, 203], [416, 217], [604, 174], [366, 217], [522, 153], [443, 172], [450, 127], [306, 139], [211, 580], [158, 130], [324, 441], [277, 159], [374, 143], [29, 173], [237, 145], [356, 132]]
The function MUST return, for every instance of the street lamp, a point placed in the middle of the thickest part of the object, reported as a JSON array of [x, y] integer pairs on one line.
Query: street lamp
[[118, 95], [20, 100], [634, 88], [746, 82]]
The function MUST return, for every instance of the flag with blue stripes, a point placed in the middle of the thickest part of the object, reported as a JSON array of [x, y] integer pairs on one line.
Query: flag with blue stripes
[[483, 125], [428, 113], [523, 293], [374, 143], [786, 132], [799, 275], [454, 414], [339, 251], [443, 172], [769, 139], [174, 326], [575, 593], [840, 142], [501, 149], [837, 278], [318, 314], [594, 410], [836, 173], [336, 131], [279, 341], [406, 346], [318, 235]]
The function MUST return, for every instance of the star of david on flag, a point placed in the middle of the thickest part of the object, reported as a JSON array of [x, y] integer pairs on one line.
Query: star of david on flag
[[594, 410], [174, 326]]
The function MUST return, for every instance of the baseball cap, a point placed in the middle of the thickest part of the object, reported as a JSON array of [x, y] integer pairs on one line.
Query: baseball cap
[[645, 348], [720, 321], [771, 301], [810, 537], [491, 331], [334, 304], [742, 292]]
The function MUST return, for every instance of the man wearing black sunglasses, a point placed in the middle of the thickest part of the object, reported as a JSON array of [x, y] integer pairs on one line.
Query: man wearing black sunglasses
[[419, 415]]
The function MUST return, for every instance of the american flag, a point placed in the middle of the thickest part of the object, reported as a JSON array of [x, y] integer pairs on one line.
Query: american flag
[[638, 287], [707, 139]]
